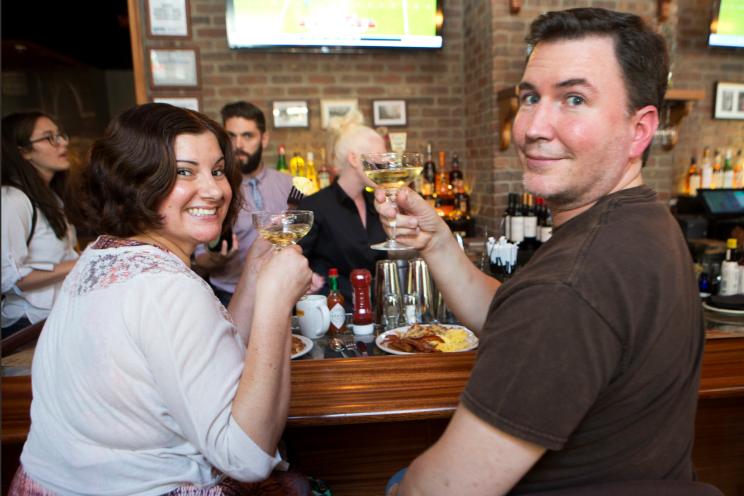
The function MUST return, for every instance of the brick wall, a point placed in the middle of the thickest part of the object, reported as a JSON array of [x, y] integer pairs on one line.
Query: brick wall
[[431, 82], [451, 93]]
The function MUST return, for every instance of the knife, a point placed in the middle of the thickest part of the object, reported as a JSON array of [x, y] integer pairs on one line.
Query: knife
[[362, 348]]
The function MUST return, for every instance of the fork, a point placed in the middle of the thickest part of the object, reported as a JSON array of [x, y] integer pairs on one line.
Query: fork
[[350, 345], [295, 195]]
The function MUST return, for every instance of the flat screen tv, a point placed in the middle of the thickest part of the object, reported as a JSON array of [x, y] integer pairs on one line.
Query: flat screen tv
[[334, 24], [727, 26]]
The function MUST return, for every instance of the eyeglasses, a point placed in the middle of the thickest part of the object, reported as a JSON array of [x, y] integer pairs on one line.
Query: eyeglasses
[[53, 139]]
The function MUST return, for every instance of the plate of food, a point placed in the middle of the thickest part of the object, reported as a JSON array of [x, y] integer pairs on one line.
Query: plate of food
[[723, 311], [427, 338], [300, 345]]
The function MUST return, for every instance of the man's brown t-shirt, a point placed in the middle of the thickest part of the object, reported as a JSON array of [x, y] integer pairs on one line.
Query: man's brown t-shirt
[[593, 349]]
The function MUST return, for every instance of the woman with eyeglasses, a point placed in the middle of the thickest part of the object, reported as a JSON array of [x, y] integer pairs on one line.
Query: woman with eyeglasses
[[38, 244]]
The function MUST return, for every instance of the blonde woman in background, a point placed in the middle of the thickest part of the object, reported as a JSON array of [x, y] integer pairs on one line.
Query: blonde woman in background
[[346, 223]]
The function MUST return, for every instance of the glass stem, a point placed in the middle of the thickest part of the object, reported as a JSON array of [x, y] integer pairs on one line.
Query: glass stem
[[391, 196]]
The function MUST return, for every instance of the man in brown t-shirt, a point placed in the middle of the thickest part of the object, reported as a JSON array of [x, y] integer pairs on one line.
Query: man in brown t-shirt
[[589, 361]]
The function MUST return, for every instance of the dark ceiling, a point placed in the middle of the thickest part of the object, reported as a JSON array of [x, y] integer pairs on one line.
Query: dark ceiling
[[94, 32]]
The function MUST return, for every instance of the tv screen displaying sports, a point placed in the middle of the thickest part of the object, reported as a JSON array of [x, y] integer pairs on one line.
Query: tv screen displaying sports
[[334, 23], [727, 27]]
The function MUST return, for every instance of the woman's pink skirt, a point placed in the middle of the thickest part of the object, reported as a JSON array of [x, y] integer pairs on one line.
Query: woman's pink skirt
[[279, 483]]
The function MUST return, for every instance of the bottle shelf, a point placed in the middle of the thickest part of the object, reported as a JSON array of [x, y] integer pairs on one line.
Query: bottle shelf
[[678, 104]]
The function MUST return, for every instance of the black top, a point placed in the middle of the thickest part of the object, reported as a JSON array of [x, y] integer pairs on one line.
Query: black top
[[593, 349], [338, 238]]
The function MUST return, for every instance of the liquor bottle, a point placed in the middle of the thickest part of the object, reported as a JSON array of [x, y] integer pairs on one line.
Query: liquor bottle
[[336, 305], [511, 204], [297, 165], [717, 180], [540, 212], [728, 170], [693, 177], [364, 315], [444, 201], [739, 173], [455, 175], [281, 163], [462, 202], [530, 224], [311, 173], [730, 271], [546, 228], [707, 174], [429, 176], [324, 175], [439, 171], [516, 229]]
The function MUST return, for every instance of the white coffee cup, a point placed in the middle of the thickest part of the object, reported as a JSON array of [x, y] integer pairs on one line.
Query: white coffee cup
[[313, 315]]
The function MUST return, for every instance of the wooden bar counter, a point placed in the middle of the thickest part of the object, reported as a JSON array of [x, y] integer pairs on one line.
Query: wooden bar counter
[[354, 421]]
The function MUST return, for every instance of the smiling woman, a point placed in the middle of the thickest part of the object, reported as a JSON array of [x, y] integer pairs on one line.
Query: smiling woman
[[146, 336]]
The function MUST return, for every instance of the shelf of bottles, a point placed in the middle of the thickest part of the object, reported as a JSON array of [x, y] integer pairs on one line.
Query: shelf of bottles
[[448, 191], [528, 222], [308, 177], [445, 188], [717, 169]]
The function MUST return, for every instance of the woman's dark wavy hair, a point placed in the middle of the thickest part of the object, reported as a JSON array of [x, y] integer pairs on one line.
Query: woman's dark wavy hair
[[132, 169], [18, 172], [641, 52]]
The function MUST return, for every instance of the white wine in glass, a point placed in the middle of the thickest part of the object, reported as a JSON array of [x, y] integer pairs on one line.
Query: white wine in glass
[[285, 228], [391, 171]]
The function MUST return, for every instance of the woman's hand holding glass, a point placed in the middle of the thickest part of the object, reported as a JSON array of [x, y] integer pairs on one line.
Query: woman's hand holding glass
[[285, 228], [283, 278]]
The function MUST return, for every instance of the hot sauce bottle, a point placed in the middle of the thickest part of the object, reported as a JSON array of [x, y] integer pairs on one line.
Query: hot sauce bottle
[[363, 317], [336, 305]]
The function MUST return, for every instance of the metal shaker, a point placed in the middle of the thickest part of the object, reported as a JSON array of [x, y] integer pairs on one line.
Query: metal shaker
[[387, 282], [419, 282]]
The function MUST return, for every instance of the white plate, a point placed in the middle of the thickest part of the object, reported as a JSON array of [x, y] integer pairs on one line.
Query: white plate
[[308, 346], [472, 339], [723, 311]]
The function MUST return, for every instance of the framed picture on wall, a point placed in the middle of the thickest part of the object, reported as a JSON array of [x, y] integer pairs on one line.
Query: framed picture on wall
[[174, 67], [168, 19], [389, 113], [335, 108], [729, 102], [290, 114], [187, 102]]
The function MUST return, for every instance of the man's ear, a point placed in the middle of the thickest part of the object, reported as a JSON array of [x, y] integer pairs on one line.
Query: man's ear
[[264, 139], [646, 121]]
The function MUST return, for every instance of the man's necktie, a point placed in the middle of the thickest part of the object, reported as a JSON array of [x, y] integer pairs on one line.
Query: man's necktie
[[256, 194]]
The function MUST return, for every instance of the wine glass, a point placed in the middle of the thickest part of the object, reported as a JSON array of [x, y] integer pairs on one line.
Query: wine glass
[[391, 171], [285, 228]]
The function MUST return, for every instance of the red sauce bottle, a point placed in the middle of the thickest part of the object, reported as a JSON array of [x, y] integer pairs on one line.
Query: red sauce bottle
[[363, 317], [336, 305]]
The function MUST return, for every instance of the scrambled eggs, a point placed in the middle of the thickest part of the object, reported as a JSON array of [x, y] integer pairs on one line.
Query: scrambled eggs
[[455, 339]]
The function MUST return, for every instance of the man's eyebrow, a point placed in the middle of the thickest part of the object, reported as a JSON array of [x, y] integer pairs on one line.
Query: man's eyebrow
[[574, 82], [525, 86]]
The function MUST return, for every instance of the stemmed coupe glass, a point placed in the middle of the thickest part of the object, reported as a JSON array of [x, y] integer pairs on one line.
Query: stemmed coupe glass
[[285, 228], [391, 171]]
